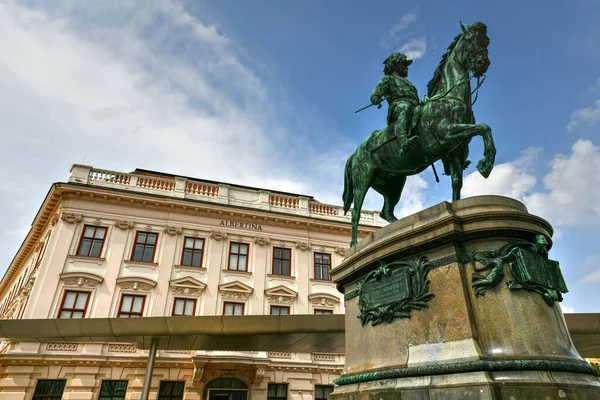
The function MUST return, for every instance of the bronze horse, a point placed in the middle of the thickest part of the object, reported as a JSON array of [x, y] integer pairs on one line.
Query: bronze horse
[[444, 123]]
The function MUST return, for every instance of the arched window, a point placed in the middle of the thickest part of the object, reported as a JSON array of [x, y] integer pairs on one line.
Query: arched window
[[234, 388]]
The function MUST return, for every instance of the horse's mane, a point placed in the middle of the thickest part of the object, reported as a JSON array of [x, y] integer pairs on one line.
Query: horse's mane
[[434, 83]]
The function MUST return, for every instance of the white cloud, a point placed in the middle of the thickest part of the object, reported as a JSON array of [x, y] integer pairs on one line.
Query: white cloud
[[121, 85], [567, 310], [414, 48], [513, 179], [594, 277], [405, 21], [572, 195], [589, 116]]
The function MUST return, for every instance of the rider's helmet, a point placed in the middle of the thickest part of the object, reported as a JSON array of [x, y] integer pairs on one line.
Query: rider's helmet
[[393, 60]]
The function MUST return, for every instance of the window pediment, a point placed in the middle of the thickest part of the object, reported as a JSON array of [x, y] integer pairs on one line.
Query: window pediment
[[323, 299], [187, 286], [81, 279], [281, 294], [136, 283], [235, 290]]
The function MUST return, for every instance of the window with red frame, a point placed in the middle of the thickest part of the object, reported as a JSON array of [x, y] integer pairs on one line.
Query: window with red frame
[[74, 304], [323, 312], [280, 310], [193, 248], [92, 241], [282, 261], [238, 257], [132, 306], [322, 266], [184, 307], [233, 308], [145, 246]]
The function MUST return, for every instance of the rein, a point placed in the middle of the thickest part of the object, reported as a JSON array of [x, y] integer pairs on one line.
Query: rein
[[460, 82]]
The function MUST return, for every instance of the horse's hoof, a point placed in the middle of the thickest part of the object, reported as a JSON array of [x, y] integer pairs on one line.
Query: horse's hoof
[[484, 169]]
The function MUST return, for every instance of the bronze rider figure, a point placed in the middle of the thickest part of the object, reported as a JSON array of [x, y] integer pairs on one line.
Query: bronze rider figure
[[402, 97]]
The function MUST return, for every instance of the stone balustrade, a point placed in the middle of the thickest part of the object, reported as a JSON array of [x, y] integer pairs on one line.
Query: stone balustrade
[[220, 193]]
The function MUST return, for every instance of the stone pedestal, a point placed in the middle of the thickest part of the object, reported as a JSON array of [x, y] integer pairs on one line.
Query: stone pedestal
[[438, 339]]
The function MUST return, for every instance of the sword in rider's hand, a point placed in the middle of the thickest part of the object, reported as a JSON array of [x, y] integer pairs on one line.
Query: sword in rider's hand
[[365, 107]]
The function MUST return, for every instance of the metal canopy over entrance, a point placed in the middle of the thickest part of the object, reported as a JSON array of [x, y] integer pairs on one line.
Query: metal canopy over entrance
[[291, 333]]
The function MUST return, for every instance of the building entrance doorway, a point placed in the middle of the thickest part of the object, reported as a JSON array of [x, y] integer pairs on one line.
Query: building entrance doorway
[[225, 389]]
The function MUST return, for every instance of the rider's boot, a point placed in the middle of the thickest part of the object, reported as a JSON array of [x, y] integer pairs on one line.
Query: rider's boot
[[406, 145]]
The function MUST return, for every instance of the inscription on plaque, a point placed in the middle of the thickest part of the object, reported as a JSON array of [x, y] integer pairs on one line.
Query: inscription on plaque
[[381, 292], [393, 290]]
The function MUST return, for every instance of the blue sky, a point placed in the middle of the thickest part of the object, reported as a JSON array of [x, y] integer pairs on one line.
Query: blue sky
[[263, 93]]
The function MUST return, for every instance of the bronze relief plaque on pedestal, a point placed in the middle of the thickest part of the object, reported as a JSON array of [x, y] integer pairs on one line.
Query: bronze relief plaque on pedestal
[[392, 290]]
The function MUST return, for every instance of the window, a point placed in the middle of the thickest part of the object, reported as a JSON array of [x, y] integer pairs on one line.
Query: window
[[277, 391], [233, 308], [280, 310], [74, 304], [132, 306], [184, 307], [323, 312], [282, 261], [49, 389], [322, 392], [171, 390], [113, 390], [145, 245], [193, 248], [238, 256], [92, 241], [322, 266]]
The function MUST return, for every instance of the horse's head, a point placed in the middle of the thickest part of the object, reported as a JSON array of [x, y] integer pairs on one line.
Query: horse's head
[[474, 48]]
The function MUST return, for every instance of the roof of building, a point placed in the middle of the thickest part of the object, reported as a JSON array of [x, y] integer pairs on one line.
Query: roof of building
[[148, 172]]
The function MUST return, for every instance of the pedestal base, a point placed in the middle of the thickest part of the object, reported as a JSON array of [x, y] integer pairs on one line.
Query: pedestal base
[[529, 385], [459, 301]]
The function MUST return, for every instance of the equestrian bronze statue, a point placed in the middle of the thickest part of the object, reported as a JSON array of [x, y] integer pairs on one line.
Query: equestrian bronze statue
[[421, 133]]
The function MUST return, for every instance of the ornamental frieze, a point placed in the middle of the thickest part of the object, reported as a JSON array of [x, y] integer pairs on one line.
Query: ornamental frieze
[[218, 235], [529, 265], [172, 231], [261, 240], [124, 225], [71, 218], [303, 246]]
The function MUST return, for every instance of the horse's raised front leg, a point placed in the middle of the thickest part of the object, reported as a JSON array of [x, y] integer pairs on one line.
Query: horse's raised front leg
[[457, 133]]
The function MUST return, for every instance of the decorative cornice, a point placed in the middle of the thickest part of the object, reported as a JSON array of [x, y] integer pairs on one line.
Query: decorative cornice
[[261, 240], [341, 251], [323, 299], [235, 290], [54, 219], [81, 279], [187, 286], [281, 294], [71, 218], [218, 235], [136, 283], [124, 225], [172, 231], [303, 246], [471, 366]]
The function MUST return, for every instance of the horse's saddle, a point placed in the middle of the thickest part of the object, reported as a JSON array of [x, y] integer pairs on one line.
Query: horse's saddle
[[383, 136]]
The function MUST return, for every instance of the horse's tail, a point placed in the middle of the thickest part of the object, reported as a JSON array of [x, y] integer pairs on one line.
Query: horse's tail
[[348, 185]]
